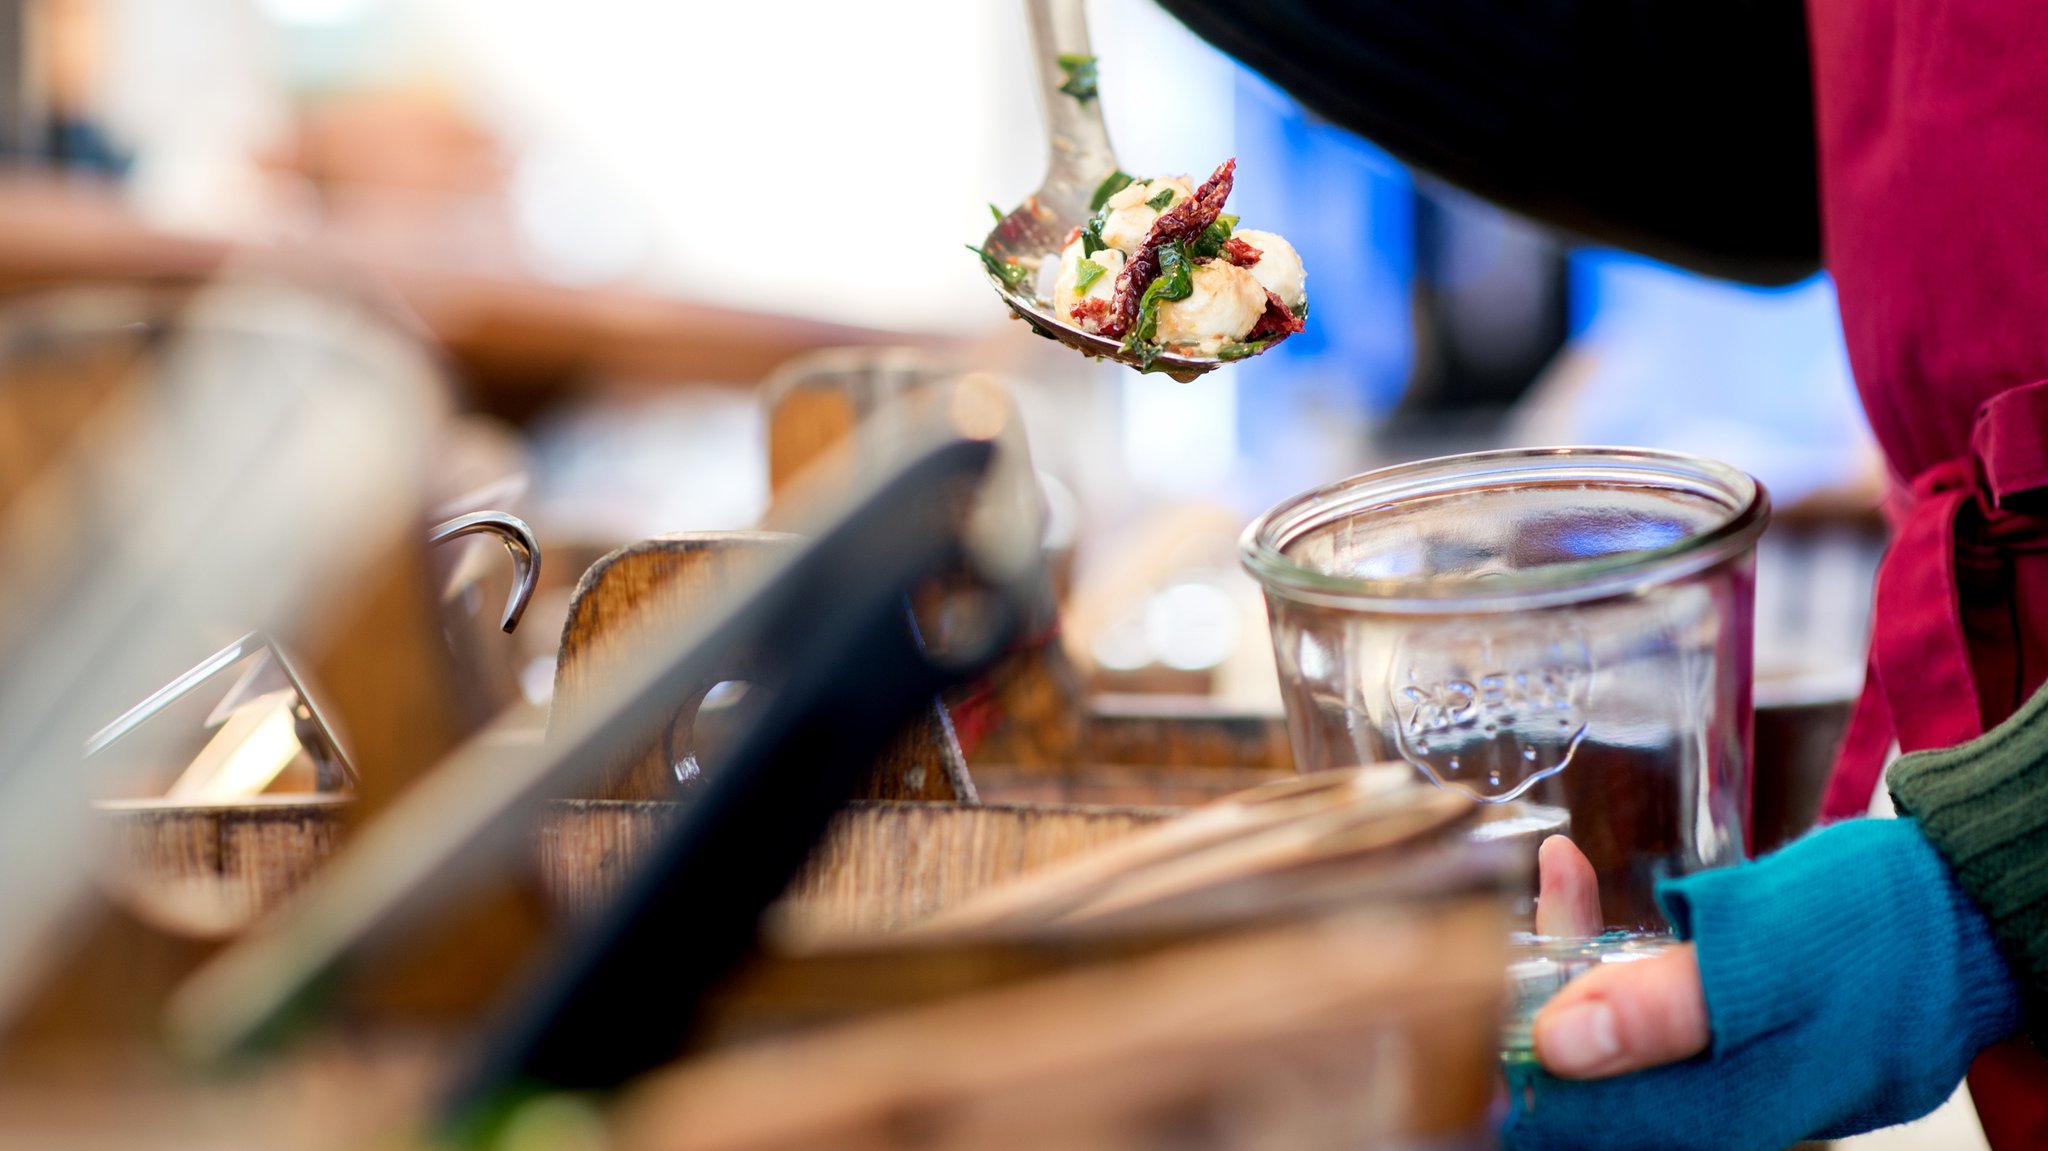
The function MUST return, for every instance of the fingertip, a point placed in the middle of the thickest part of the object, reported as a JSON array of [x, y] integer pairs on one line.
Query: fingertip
[[1551, 852], [1578, 1040], [1625, 1017], [1568, 890]]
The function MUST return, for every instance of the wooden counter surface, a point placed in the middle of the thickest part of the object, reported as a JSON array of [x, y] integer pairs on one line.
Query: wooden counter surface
[[507, 331]]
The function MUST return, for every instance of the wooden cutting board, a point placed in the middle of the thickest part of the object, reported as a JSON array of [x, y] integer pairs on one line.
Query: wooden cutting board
[[644, 587]]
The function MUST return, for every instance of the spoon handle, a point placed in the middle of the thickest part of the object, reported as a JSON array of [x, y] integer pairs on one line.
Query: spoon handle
[[1079, 154]]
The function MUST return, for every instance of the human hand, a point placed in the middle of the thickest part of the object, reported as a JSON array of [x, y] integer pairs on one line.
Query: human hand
[[1840, 985], [1619, 1017]]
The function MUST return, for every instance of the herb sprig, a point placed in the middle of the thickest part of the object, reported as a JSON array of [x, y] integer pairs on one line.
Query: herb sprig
[[1081, 76], [1091, 234], [1111, 184], [1009, 272], [1209, 244]]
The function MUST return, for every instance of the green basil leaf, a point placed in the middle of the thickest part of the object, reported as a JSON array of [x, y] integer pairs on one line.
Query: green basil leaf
[[1111, 184], [1162, 201], [1091, 233], [1175, 281], [1080, 72], [996, 212], [1237, 351], [1086, 272], [1175, 266], [1009, 273], [1209, 244]]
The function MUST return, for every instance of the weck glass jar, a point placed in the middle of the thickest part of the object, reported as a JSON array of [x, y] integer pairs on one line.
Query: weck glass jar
[[1569, 628]]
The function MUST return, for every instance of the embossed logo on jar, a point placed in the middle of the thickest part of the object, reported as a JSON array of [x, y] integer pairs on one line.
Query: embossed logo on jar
[[1490, 714]]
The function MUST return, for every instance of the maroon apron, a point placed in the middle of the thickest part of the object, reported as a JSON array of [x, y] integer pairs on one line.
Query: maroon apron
[[1933, 119]]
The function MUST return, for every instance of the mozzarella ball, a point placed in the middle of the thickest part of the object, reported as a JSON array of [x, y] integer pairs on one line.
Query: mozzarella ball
[[1279, 267], [1226, 301], [1130, 217], [1103, 287]]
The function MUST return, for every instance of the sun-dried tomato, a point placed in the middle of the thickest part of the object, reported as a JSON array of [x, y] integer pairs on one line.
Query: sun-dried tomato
[[1089, 313], [1276, 323], [1183, 222], [1241, 252]]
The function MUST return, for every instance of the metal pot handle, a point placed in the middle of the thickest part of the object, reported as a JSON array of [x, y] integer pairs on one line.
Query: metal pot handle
[[518, 539]]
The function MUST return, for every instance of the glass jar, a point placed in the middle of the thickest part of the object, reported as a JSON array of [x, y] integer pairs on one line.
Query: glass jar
[[1569, 628]]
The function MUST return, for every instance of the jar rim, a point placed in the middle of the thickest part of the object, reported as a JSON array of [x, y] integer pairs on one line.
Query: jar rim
[[1745, 505]]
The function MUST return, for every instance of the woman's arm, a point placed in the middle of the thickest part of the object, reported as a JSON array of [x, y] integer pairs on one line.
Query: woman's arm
[[1984, 805], [1682, 130]]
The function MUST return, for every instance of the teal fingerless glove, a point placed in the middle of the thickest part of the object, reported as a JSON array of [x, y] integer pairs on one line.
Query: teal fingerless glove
[[1849, 982]]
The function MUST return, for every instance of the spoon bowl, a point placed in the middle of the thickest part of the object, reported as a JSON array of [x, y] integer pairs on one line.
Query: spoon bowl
[[1034, 231], [1080, 159]]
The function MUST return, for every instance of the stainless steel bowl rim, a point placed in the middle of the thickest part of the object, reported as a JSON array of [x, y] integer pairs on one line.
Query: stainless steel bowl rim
[[1602, 577]]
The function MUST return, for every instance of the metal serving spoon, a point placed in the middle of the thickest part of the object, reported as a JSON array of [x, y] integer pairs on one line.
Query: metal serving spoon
[[1080, 160]]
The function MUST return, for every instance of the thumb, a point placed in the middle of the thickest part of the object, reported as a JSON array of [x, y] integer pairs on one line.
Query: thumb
[[1622, 1017]]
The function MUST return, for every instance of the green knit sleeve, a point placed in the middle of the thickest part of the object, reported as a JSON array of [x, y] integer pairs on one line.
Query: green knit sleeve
[[1984, 806]]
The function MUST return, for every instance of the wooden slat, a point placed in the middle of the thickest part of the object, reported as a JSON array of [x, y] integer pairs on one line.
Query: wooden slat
[[880, 865], [208, 871], [1353, 1031], [1286, 826], [887, 865], [1116, 784], [802, 426], [1184, 731]]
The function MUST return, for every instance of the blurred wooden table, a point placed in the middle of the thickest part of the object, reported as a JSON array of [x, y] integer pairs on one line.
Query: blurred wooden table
[[516, 338]]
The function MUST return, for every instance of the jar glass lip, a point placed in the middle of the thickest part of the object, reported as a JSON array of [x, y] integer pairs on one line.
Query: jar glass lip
[[1740, 504]]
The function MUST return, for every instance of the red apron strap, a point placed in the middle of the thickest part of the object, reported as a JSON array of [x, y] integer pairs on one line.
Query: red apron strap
[[1919, 686], [1860, 762], [2010, 442], [1917, 648], [1920, 649]]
